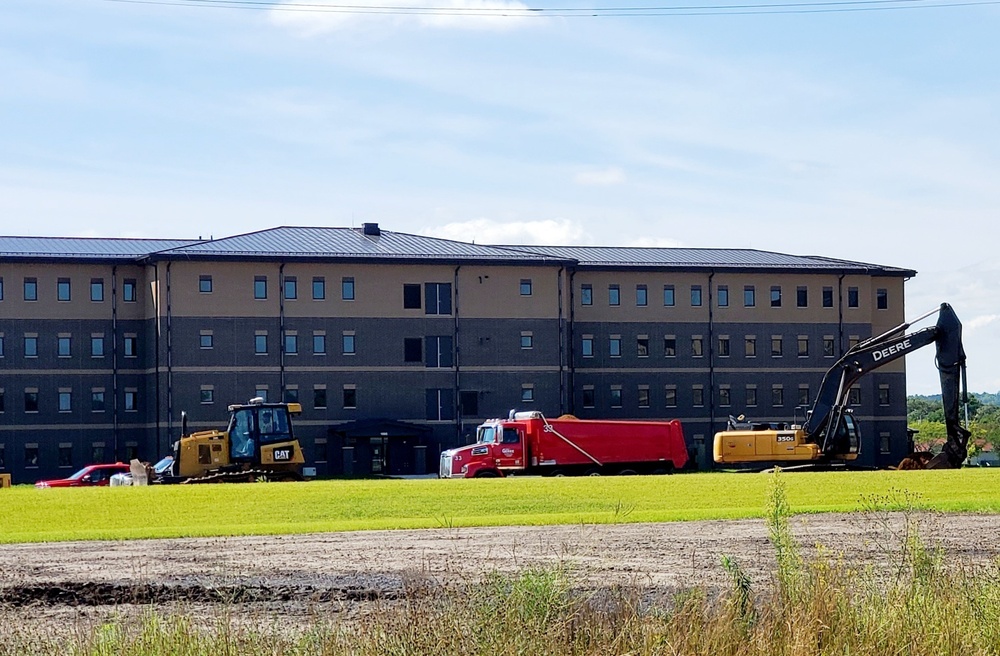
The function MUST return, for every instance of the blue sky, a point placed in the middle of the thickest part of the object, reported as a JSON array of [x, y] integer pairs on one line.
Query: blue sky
[[865, 135]]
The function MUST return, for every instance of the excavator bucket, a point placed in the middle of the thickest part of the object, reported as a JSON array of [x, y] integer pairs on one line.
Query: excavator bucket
[[940, 461]]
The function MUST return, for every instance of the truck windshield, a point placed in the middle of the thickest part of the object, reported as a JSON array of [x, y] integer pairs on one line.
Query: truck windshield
[[487, 435]]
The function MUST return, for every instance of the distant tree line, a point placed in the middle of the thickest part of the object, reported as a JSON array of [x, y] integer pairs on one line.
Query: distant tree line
[[926, 415]]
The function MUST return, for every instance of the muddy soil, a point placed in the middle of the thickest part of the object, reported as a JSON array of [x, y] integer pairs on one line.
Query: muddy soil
[[293, 578]]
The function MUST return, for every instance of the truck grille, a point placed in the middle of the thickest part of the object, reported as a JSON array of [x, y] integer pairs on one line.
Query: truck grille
[[445, 471]]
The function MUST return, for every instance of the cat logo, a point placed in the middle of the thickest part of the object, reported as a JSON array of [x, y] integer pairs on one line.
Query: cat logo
[[283, 455]]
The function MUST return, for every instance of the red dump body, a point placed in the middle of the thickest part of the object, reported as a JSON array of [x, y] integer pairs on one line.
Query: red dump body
[[532, 444]]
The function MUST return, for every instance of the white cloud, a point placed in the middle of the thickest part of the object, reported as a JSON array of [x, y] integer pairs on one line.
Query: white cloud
[[550, 232], [604, 177], [323, 17], [982, 321]]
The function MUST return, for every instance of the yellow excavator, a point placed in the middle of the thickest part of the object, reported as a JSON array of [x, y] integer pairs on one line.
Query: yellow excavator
[[258, 444], [830, 432]]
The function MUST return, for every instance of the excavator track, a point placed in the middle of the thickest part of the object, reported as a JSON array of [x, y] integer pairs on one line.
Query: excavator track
[[245, 476]]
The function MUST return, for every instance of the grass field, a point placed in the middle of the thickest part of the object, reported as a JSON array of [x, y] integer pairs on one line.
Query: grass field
[[30, 515]]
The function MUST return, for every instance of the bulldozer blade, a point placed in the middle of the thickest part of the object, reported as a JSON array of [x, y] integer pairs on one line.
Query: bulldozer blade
[[940, 461]]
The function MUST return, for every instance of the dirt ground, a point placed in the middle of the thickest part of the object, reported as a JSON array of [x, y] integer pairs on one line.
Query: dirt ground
[[347, 574]]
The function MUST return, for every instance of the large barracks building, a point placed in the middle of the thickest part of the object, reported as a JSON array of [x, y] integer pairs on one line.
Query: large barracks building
[[398, 345]]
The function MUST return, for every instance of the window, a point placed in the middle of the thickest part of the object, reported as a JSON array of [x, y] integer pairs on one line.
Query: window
[[291, 394], [1, 288], [641, 296], [319, 397], [63, 346], [828, 297], [207, 396], [642, 346], [348, 343], [527, 340], [350, 397], [883, 442], [413, 349], [62, 289], [668, 296], [1, 345], [803, 395], [319, 288], [801, 296], [526, 287], [31, 456], [291, 343], [803, 342], [669, 346], [130, 290], [615, 346], [587, 346], [723, 346], [319, 343], [131, 400], [97, 400], [437, 298], [751, 396], [586, 295], [854, 396], [724, 397], [723, 292], [695, 295], [347, 288], [852, 297], [206, 339], [697, 396], [670, 396], [697, 347], [749, 296], [261, 391], [31, 289], [527, 393], [853, 341], [616, 396], [589, 396], [882, 299], [131, 346], [3, 401], [31, 400], [65, 400], [776, 346], [66, 454], [883, 394], [411, 297], [97, 290], [438, 351], [775, 296], [30, 346], [750, 346], [777, 396], [260, 287], [260, 344], [468, 403], [291, 288], [205, 284], [642, 396], [828, 347], [614, 295]]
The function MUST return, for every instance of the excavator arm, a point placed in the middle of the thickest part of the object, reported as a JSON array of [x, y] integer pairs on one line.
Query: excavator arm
[[824, 422]]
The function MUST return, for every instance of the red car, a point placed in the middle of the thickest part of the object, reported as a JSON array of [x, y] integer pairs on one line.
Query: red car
[[88, 476]]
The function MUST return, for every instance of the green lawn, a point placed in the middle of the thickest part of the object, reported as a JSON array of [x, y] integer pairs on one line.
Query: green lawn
[[30, 515]]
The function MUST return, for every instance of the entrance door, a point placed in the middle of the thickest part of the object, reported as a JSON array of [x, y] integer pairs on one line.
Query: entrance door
[[378, 447]]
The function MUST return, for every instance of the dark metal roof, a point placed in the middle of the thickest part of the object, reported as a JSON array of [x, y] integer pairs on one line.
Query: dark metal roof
[[702, 258], [85, 247], [351, 243]]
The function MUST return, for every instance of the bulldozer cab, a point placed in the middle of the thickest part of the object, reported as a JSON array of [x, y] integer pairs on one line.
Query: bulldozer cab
[[253, 425]]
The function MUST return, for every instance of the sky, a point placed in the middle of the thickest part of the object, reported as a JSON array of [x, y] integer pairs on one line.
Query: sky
[[862, 130]]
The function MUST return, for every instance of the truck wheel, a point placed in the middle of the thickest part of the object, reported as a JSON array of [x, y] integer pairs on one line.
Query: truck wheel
[[558, 473], [627, 472], [486, 473], [593, 471]]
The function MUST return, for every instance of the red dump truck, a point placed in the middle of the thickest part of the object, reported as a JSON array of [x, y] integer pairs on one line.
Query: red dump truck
[[528, 443]]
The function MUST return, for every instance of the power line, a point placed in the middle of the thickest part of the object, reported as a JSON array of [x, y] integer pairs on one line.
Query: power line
[[828, 6]]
